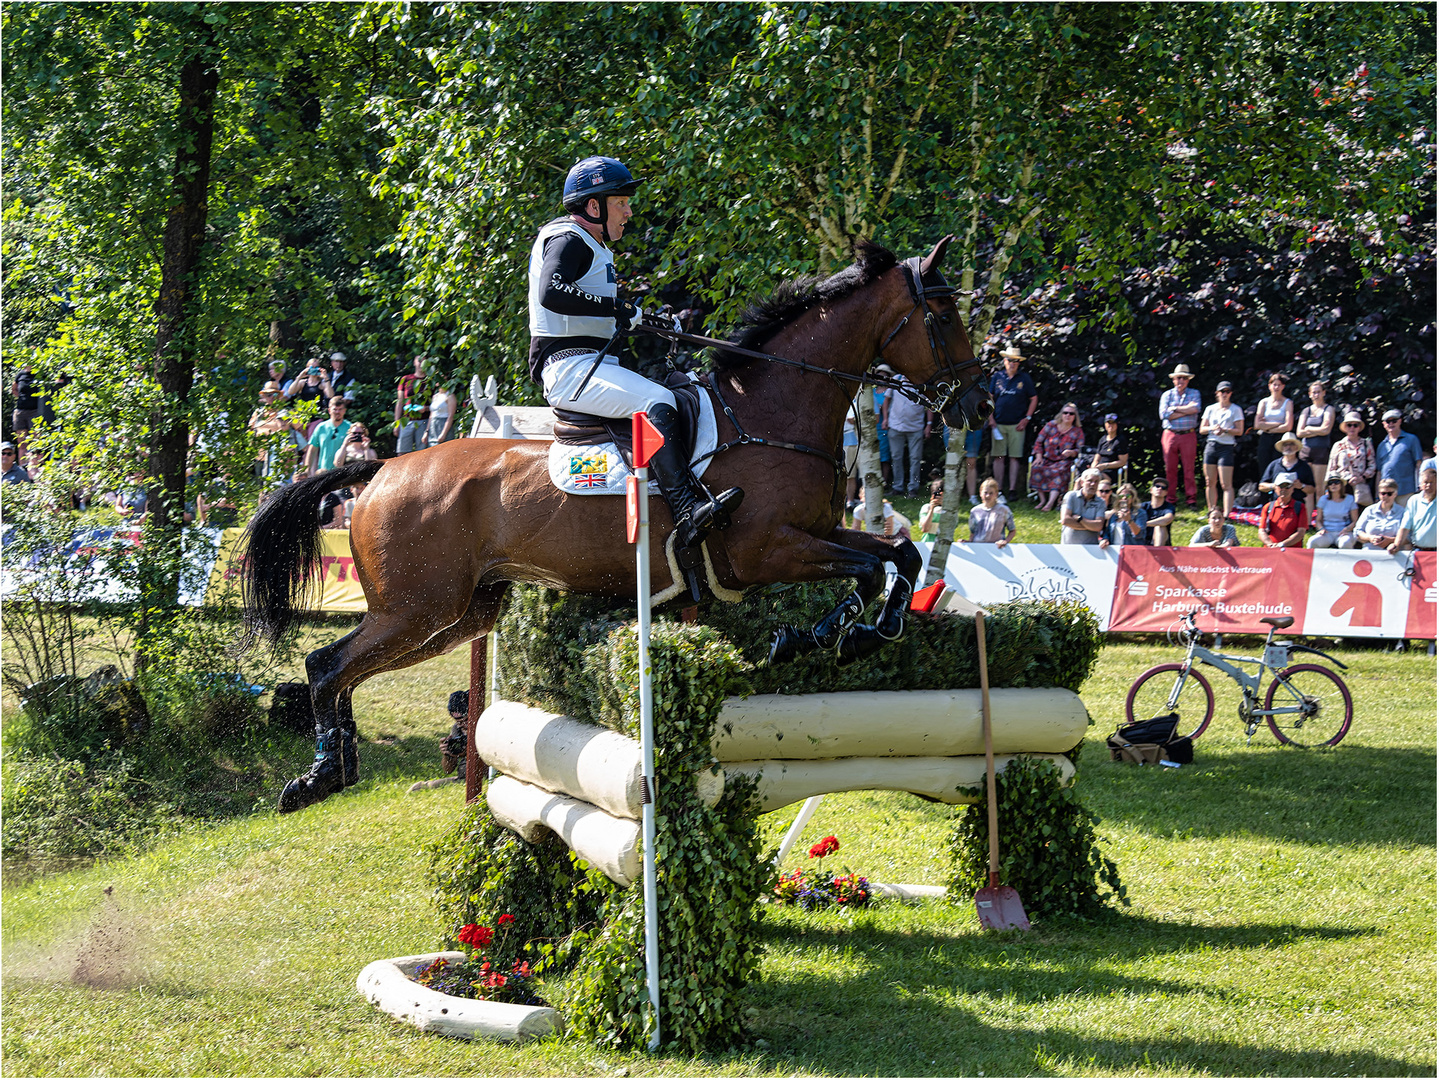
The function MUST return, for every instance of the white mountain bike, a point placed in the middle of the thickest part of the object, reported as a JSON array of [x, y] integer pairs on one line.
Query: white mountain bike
[[1304, 705]]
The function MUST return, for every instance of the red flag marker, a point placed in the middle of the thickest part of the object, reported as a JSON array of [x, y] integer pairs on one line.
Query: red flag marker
[[927, 597], [647, 439]]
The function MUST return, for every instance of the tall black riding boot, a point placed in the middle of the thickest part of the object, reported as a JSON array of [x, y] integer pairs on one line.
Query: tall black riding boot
[[692, 506]]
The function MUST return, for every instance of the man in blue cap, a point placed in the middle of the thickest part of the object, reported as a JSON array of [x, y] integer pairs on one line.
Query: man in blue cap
[[575, 312]]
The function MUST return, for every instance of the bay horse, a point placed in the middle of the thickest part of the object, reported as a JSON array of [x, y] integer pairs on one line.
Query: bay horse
[[439, 534]]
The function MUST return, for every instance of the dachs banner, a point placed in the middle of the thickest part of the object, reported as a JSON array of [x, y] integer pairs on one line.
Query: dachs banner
[[988, 574], [1146, 590]]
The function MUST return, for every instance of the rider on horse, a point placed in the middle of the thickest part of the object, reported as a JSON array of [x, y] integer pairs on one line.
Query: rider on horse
[[575, 313]]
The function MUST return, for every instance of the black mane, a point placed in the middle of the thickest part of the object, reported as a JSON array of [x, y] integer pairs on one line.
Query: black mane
[[762, 319]]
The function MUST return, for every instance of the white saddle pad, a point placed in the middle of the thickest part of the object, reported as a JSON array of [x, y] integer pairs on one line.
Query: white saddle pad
[[600, 469]]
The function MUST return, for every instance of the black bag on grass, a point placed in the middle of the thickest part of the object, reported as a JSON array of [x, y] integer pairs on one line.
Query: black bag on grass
[[1150, 741], [290, 708]]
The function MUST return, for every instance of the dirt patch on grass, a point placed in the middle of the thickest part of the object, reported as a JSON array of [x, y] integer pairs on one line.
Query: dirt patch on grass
[[105, 954]]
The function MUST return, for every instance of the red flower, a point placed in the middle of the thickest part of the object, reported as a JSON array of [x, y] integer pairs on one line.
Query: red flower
[[478, 936], [828, 846], [504, 920]]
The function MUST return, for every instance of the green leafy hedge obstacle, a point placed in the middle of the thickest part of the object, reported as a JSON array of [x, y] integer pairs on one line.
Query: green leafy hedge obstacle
[[581, 930]]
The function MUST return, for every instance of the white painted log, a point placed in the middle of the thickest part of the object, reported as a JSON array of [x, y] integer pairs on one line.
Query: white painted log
[[785, 782], [584, 761], [896, 723], [385, 983], [610, 844]]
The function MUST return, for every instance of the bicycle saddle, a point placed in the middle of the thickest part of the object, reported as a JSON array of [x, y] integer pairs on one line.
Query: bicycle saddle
[[1280, 623]]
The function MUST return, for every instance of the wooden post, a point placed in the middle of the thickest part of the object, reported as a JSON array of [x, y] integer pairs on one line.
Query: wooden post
[[473, 764]]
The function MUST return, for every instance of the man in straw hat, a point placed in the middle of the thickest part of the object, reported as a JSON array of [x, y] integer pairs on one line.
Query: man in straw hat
[[1015, 399], [1288, 461], [1179, 409]]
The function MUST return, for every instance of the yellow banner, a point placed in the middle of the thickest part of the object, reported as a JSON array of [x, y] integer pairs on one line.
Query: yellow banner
[[339, 587]]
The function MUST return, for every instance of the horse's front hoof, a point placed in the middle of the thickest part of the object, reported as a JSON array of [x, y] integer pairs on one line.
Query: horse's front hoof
[[789, 643], [860, 642]]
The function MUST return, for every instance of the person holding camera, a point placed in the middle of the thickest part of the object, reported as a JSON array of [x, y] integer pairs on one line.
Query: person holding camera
[[312, 384], [357, 446]]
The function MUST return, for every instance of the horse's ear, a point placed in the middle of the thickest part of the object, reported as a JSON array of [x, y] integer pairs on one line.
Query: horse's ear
[[935, 257]]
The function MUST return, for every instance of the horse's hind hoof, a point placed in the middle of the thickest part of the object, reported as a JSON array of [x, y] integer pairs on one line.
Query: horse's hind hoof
[[309, 789], [789, 643], [336, 767]]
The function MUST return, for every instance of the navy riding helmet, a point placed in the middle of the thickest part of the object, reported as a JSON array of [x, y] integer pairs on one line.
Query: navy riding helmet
[[595, 178]]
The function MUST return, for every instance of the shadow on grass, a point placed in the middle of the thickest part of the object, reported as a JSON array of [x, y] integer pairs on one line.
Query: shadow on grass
[[1346, 795], [935, 1005]]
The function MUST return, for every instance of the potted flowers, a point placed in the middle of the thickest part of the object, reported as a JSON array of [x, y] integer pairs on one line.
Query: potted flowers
[[480, 992]]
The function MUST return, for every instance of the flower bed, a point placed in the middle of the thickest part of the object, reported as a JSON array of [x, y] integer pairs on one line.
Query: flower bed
[[477, 974], [387, 985], [812, 889], [470, 994]]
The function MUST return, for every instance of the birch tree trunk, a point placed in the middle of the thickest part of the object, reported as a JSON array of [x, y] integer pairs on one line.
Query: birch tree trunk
[[869, 469]]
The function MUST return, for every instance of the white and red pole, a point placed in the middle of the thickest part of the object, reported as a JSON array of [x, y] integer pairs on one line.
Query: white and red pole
[[647, 440]]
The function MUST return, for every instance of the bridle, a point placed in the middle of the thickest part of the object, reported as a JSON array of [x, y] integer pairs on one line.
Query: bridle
[[946, 389], [938, 399]]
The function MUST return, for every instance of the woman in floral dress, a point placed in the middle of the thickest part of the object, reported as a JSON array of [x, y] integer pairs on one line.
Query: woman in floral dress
[[1352, 458], [1055, 450]]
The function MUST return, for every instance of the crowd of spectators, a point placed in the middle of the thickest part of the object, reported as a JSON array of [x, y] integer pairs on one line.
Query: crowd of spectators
[[1321, 482], [294, 445], [1316, 470]]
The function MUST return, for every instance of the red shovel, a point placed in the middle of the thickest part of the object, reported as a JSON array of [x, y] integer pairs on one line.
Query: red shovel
[[999, 906]]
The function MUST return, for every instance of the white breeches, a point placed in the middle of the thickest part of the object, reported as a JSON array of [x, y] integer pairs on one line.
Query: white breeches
[[614, 391]]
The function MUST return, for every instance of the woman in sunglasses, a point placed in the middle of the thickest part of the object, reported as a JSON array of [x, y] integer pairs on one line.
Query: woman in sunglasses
[[1336, 513], [1378, 526], [1055, 451], [1352, 459]]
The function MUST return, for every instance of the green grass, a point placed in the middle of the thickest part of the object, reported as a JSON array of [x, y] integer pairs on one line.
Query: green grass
[[1283, 923]]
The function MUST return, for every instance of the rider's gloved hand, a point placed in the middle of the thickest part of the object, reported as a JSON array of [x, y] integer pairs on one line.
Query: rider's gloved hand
[[661, 321], [627, 314]]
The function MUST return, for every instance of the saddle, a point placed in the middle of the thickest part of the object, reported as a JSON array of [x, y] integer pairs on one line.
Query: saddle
[[581, 429]]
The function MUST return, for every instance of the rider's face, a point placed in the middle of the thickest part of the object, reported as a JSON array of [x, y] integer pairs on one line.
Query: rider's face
[[619, 214]]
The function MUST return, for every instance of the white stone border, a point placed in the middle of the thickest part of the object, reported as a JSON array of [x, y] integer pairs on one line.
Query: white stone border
[[909, 892], [386, 985]]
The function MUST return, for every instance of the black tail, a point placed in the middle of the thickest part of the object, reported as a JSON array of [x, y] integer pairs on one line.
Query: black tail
[[281, 550]]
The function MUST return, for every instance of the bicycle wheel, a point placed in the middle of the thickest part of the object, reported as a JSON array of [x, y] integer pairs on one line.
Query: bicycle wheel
[[1325, 708], [1149, 697]]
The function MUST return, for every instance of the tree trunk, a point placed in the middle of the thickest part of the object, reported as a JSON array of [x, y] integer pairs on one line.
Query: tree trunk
[[867, 427], [175, 343]]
